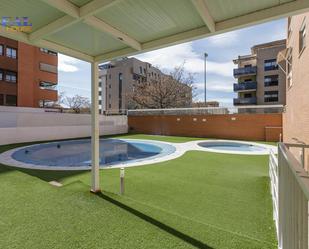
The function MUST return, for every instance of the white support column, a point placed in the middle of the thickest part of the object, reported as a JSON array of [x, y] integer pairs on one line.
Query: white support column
[[95, 134]]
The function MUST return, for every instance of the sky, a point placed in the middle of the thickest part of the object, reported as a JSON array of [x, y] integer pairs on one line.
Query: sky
[[74, 75]]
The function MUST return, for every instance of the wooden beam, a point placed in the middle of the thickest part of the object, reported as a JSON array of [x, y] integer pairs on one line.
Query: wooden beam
[[279, 11], [265, 15], [156, 44], [84, 14], [64, 50], [104, 27], [23, 37], [53, 27], [95, 6], [64, 6], [203, 11]]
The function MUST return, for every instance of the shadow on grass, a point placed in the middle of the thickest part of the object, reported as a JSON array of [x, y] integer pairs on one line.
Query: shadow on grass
[[186, 238], [45, 175]]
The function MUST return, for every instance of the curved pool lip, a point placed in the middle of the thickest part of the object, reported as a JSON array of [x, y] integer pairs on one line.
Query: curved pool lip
[[180, 149], [266, 146], [7, 158]]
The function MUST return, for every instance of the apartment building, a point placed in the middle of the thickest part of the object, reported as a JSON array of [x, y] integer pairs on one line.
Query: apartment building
[[117, 80], [28, 75], [296, 56], [259, 79]]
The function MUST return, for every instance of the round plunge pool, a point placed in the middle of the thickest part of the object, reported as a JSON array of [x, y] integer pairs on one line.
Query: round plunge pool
[[235, 147], [76, 154]]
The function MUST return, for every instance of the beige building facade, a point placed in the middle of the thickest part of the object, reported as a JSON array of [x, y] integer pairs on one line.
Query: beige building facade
[[296, 116], [259, 79], [117, 80]]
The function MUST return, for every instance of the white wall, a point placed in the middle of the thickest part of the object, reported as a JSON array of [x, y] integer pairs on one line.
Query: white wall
[[19, 125]]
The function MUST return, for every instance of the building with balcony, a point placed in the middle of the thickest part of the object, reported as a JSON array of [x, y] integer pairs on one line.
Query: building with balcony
[[259, 80], [28, 75]]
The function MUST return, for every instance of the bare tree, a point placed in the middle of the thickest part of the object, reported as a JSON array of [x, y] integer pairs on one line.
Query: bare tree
[[77, 103], [168, 91]]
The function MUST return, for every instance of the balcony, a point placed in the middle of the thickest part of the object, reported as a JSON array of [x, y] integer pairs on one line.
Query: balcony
[[245, 101], [244, 86], [243, 71]]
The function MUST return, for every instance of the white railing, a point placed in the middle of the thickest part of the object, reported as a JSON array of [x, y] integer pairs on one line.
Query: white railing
[[209, 110], [290, 191], [273, 174]]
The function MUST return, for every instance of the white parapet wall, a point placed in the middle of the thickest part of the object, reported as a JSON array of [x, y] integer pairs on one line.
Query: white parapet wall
[[18, 125]]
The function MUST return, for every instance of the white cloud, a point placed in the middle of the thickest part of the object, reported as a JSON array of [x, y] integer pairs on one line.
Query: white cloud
[[168, 58], [225, 39], [220, 86], [67, 64]]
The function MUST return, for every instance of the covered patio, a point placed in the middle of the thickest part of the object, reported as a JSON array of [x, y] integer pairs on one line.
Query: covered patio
[[100, 30], [97, 31]]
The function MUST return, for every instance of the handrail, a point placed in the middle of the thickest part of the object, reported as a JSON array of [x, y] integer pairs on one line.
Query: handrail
[[299, 172]]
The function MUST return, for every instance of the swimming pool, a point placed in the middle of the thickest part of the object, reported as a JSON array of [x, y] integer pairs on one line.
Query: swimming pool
[[76, 154], [235, 147]]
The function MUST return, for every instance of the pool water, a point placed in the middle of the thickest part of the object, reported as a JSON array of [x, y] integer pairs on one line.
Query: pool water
[[233, 146], [78, 152]]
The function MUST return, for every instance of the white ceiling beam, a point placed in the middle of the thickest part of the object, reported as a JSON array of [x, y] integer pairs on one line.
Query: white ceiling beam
[[64, 50], [64, 6], [104, 27], [280, 11], [53, 27], [203, 11], [95, 6], [69, 19], [265, 15], [155, 44], [85, 14], [23, 37]]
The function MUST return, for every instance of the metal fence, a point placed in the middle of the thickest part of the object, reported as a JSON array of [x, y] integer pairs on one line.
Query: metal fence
[[290, 192], [209, 110]]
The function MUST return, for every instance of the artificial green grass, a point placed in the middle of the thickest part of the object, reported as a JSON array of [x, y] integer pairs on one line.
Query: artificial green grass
[[200, 200]]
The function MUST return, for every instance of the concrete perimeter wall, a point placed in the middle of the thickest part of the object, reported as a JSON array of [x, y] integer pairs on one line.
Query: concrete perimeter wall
[[19, 125], [255, 127]]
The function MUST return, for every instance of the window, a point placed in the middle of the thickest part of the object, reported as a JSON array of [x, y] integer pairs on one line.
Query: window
[[11, 100], [48, 68], [270, 65], [302, 38], [11, 77], [1, 49], [247, 95], [110, 86], [48, 85], [110, 96], [271, 80], [1, 75], [249, 65], [11, 52], [271, 96], [45, 50], [109, 105], [46, 103], [120, 91], [110, 76], [1, 99], [140, 70]]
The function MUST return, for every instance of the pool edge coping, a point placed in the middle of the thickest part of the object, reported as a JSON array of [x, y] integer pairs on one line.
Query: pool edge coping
[[180, 149]]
